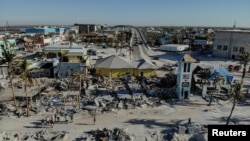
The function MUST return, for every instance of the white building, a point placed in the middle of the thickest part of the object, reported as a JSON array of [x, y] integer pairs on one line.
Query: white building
[[52, 41], [174, 47], [229, 43], [184, 75]]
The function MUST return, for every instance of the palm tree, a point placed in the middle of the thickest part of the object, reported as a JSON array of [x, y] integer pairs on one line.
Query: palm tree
[[237, 87], [8, 57], [244, 60], [26, 75], [236, 95], [80, 77], [71, 40], [217, 79], [120, 39]]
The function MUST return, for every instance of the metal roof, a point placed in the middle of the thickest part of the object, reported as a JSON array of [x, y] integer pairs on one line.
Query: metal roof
[[113, 62], [186, 58]]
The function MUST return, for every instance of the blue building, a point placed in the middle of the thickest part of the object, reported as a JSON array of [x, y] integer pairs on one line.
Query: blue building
[[45, 30], [60, 30]]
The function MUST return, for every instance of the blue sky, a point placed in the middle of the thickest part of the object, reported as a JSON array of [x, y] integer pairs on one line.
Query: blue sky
[[132, 12]]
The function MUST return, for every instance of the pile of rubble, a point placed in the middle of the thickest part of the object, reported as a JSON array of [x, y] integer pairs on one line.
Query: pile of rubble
[[191, 129], [105, 134], [43, 135], [190, 132]]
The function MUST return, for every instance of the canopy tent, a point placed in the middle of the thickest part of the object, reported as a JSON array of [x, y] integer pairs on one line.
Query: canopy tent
[[222, 72]]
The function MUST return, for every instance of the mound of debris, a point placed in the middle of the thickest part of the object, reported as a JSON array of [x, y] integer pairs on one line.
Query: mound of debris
[[105, 134], [190, 132], [43, 135]]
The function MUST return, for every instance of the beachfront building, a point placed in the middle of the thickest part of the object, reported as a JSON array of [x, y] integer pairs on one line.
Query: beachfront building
[[184, 75], [229, 43], [75, 54], [115, 66], [226, 82]]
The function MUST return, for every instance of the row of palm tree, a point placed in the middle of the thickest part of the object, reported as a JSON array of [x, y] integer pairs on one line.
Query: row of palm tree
[[26, 76], [9, 57]]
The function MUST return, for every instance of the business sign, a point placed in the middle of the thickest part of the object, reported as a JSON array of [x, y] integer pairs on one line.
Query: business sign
[[185, 84]]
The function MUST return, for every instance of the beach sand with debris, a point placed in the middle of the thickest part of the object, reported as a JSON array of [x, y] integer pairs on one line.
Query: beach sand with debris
[[144, 122]]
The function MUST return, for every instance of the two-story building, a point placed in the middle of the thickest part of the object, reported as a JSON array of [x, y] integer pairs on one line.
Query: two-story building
[[84, 28], [68, 56], [229, 43]]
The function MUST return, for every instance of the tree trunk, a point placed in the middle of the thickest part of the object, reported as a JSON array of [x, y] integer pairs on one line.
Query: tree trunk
[[13, 92], [230, 115], [243, 74], [27, 99]]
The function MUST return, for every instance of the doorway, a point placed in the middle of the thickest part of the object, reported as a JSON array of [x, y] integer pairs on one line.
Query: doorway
[[233, 56], [142, 74], [186, 95]]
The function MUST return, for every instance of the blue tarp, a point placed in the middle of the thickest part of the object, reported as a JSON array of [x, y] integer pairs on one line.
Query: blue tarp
[[222, 72]]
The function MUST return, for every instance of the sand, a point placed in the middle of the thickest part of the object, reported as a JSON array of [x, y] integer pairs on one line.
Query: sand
[[142, 122]]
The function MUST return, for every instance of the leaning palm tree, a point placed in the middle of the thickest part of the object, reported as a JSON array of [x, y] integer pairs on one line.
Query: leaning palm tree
[[26, 75], [217, 79], [8, 58], [79, 76], [244, 57], [236, 95]]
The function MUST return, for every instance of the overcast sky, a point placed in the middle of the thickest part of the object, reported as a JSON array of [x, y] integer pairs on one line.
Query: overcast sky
[[129, 12]]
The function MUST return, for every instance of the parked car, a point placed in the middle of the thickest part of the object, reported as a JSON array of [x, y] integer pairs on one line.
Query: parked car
[[55, 101]]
